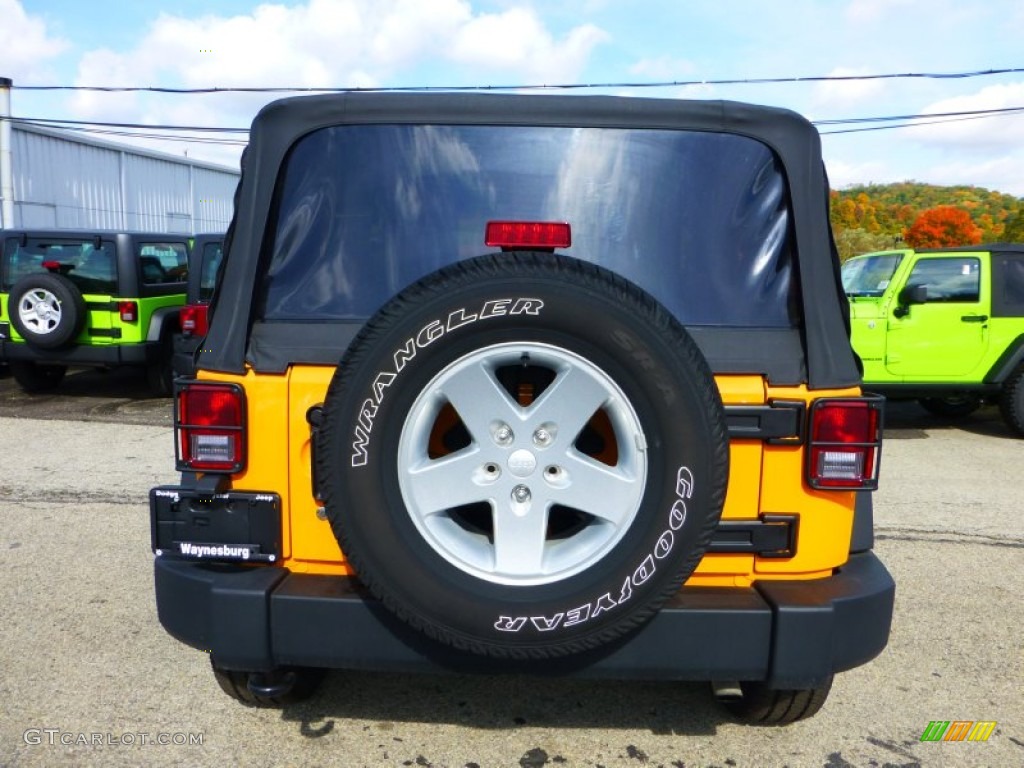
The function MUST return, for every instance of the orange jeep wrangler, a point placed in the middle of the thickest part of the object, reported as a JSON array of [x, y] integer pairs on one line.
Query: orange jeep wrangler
[[552, 385]]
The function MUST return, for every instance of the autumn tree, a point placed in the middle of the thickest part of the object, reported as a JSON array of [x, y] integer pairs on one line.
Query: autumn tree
[[1014, 232], [853, 242], [941, 226]]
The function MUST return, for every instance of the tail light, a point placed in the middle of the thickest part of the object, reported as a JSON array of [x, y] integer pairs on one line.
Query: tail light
[[845, 443], [194, 319], [128, 310], [209, 428], [528, 235]]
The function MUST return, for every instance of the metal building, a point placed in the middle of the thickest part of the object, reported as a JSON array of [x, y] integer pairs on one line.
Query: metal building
[[62, 180]]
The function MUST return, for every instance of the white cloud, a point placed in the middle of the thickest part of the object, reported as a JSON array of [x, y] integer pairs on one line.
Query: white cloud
[[25, 45], [516, 41], [343, 43], [843, 174], [970, 133], [1004, 173], [324, 43]]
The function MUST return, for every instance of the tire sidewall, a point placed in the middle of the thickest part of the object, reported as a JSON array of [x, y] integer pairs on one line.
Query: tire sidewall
[[72, 310], [1012, 401], [633, 343]]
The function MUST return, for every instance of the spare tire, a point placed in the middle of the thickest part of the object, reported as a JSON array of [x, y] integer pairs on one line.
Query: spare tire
[[523, 455], [47, 310]]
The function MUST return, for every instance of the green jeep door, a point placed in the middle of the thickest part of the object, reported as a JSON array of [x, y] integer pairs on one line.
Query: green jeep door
[[947, 336]]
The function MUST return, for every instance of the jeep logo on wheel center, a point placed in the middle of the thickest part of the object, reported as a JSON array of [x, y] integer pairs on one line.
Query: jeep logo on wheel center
[[426, 336]]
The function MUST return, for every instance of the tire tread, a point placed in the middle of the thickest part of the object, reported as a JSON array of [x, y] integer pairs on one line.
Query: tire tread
[[590, 278], [1011, 402]]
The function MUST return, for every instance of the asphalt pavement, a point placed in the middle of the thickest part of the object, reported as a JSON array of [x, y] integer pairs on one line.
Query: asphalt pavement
[[88, 676]]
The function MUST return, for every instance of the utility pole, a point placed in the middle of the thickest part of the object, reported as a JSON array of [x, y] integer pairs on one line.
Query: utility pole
[[6, 171]]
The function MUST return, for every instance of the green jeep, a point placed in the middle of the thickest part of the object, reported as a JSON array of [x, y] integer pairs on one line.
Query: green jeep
[[89, 298], [944, 326]]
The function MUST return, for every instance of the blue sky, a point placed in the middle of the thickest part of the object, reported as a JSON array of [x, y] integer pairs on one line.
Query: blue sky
[[395, 43]]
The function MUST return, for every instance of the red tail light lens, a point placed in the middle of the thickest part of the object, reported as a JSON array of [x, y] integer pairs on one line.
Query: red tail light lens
[[845, 443], [528, 235], [194, 319], [128, 310], [210, 428]]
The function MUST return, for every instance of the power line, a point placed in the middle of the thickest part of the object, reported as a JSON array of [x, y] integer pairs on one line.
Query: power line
[[978, 112], [161, 136], [154, 131], [923, 122], [40, 120], [533, 86]]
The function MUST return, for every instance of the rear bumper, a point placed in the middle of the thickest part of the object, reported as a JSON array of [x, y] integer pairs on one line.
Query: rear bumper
[[791, 634], [184, 359], [109, 354]]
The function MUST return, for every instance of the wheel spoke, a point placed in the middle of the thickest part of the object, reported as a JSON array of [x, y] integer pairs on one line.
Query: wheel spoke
[[519, 540], [522, 462], [605, 492], [571, 399], [445, 483], [478, 397]]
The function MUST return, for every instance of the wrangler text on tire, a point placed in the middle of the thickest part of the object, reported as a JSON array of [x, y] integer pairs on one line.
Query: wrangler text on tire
[[538, 450]]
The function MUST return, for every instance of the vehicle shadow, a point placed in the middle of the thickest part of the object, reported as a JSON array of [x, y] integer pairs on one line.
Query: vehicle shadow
[[88, 394], [508, 702], [906, 420]]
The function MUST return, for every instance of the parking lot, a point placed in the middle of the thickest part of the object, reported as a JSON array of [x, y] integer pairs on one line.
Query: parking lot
[[89, 677]]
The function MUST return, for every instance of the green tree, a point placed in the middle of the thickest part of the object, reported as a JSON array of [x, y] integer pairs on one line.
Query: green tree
[[1014, 231], [852, 242]]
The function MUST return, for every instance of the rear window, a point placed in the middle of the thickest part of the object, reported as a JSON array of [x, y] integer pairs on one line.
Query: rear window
[[699, 220], [91, 266], [161, 263], [1008, 284], [209, 264]]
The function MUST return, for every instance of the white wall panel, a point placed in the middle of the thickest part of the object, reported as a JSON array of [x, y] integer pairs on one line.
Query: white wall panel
[[70, 182]]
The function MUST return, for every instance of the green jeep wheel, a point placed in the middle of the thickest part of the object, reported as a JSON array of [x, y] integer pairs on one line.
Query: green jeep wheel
[[1011, 404]]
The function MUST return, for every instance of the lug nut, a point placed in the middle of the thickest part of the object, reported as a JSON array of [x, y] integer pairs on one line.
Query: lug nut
[[503, 435], [541, 437], [521, 494]]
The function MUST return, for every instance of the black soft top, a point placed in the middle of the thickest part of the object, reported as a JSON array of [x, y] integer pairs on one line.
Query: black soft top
[[829, 359]]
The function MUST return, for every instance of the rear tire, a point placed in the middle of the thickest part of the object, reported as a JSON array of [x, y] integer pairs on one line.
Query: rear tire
[[538, 474], [1011, 403], [33, 377], [160, 372], [761, 705], [304, 683]]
